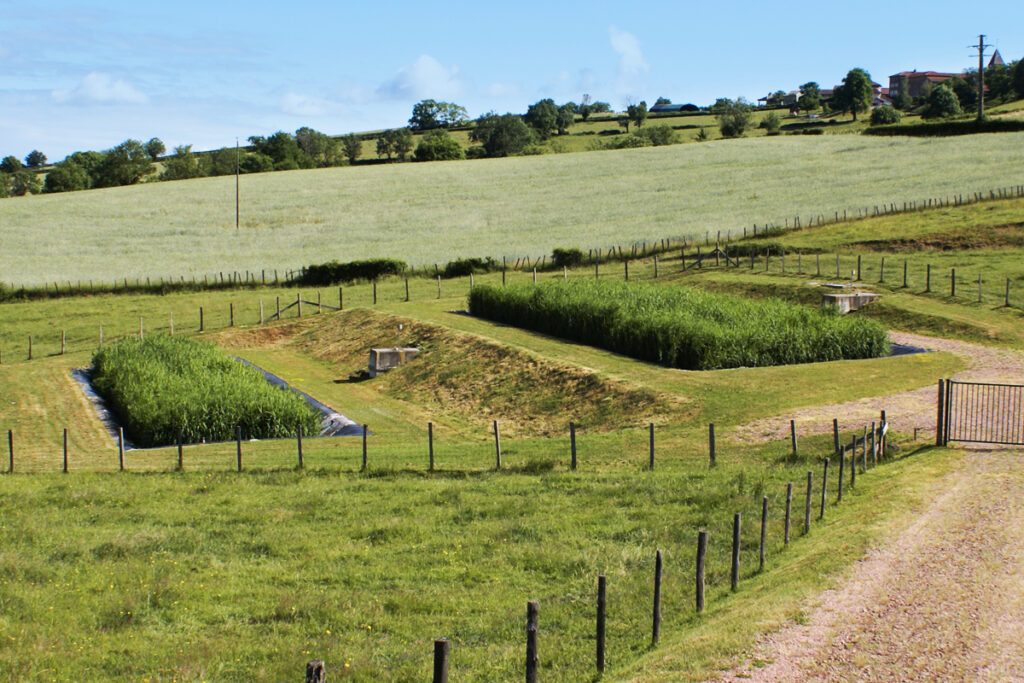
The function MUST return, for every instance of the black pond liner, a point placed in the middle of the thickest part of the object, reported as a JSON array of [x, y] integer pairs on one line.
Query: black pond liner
[[332, 423], [905, 350]]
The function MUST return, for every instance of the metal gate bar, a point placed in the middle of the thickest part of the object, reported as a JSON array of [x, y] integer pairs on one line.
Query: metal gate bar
[[983, 412]]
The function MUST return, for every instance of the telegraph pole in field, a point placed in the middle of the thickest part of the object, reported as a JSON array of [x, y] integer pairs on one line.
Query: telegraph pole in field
[[238, 204], [981, 75]]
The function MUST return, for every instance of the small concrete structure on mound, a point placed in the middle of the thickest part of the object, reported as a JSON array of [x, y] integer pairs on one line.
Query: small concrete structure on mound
[[382, 360], [852, 301]]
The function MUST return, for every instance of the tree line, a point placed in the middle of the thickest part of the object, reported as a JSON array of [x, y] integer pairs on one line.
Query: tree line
[[491, 134]]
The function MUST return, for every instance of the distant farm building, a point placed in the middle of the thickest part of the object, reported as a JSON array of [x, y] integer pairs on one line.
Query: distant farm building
[[673, 108], [918, 82]]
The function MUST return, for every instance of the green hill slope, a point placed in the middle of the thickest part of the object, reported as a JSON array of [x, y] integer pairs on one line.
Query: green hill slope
[[428, 213]]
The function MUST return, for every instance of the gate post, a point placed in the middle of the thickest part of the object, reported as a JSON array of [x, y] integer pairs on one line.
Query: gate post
[[940, 417]]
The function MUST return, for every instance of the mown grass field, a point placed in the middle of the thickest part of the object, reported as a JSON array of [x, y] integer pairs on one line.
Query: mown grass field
[[428, 213]]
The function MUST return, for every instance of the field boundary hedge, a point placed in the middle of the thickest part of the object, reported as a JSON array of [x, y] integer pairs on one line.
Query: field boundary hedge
[[948, 128]]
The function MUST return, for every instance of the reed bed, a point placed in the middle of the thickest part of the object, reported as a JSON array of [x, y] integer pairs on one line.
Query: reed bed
[[162, 387], [682, 327]]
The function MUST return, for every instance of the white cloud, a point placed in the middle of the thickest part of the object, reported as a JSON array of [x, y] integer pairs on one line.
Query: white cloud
[[298, 104], [631, 57], [100, 88], [424, 78], [499, 90]]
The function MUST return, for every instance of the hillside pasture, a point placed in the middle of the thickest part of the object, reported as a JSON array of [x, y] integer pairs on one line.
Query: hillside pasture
[[427, 213]]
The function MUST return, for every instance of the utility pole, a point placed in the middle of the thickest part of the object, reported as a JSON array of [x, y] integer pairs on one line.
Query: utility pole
[[981, 75], [238, 206]]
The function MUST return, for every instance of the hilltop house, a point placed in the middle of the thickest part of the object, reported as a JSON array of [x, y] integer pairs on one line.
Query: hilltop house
[[918, 82]]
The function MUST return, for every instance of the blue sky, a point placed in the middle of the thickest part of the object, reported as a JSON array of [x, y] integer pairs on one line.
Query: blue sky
[[77, 75]]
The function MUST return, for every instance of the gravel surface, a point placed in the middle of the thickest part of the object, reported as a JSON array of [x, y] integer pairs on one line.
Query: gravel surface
[[905, 410], [943, 601]]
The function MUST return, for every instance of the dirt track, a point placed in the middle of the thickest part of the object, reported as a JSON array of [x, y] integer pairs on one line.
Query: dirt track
[[945, 599], [906, 410]]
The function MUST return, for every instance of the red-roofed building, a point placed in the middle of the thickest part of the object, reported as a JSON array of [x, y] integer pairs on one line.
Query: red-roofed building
[[915, 81]]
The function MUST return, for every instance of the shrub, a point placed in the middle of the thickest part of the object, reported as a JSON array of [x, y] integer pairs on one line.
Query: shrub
[[438, 145], [628, 142], [771, 123], [333, 272], [462, 267], [681, 327], [162, 386], [566, 258], [942, 104], [658, 135], [885, 115]]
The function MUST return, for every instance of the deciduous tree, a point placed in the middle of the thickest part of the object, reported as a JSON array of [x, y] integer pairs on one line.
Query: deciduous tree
[[855, 95], [352, 146], [155, 148], [35, 159]]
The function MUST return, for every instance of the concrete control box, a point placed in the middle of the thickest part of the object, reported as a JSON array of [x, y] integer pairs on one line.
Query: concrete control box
[[382, 360]]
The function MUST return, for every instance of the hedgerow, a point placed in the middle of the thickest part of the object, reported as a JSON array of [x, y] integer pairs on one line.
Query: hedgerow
[[681, 327], [162, 386]]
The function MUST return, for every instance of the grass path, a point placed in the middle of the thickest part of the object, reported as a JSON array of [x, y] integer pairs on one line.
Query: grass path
[[940, 602]]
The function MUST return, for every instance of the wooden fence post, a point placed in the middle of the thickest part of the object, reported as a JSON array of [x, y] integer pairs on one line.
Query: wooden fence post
[[406, 290], [1006, 300], [711, 442], [238, 445], [430, 446], [65, 469], [365, 430], [602, 586], [656, 617], [298, 445], [842, 467], [824, 488], [120, 449], [940, 416], [63, 342], [764, 533], [792, 436], [319, 304], [952, 282], [904, 273], [30, 347], [181, 453], [853, 463], [626, 263], [298, 304], [572, 445], [702, 551], [928, 278], [441, 649], [532, 627], [835, 435], [734, 574], [438, 286], [202, 325], [375, 292], [650, 429], [10, 451], [316, 672], [497, 445], [807, 506], [789, 511]]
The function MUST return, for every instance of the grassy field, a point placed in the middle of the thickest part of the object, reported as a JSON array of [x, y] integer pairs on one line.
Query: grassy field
[[213, 575], [428, 213]]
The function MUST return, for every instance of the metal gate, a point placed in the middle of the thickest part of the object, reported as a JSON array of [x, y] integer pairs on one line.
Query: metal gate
[[982, 413]]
